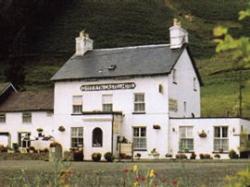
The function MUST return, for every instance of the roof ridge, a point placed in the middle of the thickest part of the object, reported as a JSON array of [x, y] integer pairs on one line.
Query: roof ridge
[[133, 47]]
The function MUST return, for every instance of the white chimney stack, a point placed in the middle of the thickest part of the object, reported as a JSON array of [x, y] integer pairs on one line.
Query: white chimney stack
[[83, 44], [178, 35]]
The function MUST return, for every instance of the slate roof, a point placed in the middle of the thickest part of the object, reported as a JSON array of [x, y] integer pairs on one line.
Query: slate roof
[[129, 61], [29, 101]]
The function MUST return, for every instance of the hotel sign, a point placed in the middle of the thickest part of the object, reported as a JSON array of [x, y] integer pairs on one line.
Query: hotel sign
[[114, 86]]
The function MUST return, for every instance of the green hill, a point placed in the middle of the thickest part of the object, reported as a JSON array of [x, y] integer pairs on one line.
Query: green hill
[[113, 23]]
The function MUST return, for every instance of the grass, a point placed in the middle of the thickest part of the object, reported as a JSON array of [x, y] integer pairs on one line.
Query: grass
[[187, 173]]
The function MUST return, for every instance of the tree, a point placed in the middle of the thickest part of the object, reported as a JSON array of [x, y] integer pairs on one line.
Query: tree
[[237, 48]]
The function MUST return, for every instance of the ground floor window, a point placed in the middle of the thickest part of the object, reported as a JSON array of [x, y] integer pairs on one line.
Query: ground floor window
[[97, 137], [221, 138], [186, 141], [139, 138], [76, 137], [24, 139]]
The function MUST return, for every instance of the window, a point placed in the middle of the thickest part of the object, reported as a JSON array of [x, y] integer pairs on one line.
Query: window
[[194, 84], [77, 104], [174, 76], [172, 104], [185, 106], [107, 105], [186, 142], [76, 137], [27, 117], [24, 139], [97, 137], [2, 118], [221, 139], [139, 138], [139, 103]]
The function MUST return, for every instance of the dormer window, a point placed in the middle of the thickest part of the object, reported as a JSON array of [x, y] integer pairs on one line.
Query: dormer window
[[174, 76]]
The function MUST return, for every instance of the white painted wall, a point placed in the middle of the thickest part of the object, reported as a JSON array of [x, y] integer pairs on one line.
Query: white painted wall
[[183, 90], [14, 124], [123, 100], [206, 145]]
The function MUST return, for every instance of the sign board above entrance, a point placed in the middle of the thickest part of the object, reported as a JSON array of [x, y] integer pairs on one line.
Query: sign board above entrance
[[114, 86]]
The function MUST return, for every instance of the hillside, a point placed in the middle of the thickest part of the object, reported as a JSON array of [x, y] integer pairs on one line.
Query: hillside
[[49, 39]]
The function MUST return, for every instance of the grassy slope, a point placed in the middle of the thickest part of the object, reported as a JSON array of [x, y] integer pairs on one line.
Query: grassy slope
[[134, 22]]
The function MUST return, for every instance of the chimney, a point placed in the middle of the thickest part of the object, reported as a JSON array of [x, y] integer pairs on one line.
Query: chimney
[[83, 44], [178, 35]]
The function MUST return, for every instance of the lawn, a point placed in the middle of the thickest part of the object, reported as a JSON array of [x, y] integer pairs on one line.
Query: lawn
[[187, 173]]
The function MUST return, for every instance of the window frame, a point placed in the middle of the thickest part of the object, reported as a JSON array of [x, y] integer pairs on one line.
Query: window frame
[[174, 77], [95, 145], [108, 104], [138, 103], [27, 117], [186, 139], [2, 117], [77, 108], [221, 139], [77, 136], [140, 139], [195, 84], [21, 141]]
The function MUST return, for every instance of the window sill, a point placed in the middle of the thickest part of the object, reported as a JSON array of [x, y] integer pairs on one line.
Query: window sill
[[139, 113], [185, 151], [143, 150], [218, 152]]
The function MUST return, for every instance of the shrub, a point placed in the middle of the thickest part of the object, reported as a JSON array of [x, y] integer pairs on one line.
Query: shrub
[[55, 144], [96, 157], [233, 155], [109, 157], [205, 156], [192, 156], [78, 155], [124, 156], [3, 149], [181, 156], [168, 155], [216, 156], [138, 156]]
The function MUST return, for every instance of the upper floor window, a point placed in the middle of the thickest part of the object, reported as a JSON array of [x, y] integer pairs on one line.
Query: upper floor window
[[139, 103], [140, 138], [77, 104], [174, 76], [172, 104], [195, 84], [107, 105], [2, 118], [27, 117], [97, 137], [186, 141], [221, 138]]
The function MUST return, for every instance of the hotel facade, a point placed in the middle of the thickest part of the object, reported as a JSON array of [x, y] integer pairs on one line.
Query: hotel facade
[[147, 95]]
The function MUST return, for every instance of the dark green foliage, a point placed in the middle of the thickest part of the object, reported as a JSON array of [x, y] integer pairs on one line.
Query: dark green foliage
[[109, 157], [192, 156], [233, 155], [181, 156], [96, 157], [14, 72]]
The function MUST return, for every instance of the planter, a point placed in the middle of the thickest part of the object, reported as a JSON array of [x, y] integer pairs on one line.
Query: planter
[[157, 127], [203, 134], [61, 128]]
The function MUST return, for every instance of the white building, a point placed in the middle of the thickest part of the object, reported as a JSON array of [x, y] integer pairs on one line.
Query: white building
[[150, 95]]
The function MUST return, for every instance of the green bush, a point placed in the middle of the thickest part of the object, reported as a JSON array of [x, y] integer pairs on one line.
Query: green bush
[[217, 156], [192, 156], [96, 157], [233, 155], [109, 157], [181, 156], [205, 156]]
